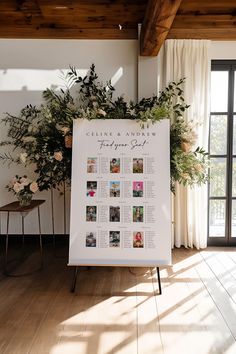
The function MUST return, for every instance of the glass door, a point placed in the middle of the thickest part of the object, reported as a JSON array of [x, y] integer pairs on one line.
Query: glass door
[[222, 148]]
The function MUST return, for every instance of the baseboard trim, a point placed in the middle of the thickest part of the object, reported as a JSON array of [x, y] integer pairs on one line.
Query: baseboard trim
[[47, 238]]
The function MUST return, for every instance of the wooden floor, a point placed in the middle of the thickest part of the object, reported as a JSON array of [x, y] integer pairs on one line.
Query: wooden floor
[[115, 310]]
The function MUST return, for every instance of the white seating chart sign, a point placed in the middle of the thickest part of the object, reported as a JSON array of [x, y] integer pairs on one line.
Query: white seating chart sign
[[120, 200]]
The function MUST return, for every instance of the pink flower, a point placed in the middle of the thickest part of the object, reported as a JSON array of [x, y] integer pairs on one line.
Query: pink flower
[[34, 187], [58, 155], [65, 130], [12, 182], [186, 147], [24, 181], [185, 176], [198, 167], [18, 187]]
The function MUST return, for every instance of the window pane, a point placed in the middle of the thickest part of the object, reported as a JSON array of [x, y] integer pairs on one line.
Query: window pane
[[218, 177], [234, 136], [218, 135], [233, 218], [219, 91], [217, 218], [235, 91], [234, 178]]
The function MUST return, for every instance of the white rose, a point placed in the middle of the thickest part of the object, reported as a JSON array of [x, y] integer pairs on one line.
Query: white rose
[[34, 187], [28, 139], [23, 157], [32, 129], [12, 182], [132, 112], [102, 112], [18, 187]]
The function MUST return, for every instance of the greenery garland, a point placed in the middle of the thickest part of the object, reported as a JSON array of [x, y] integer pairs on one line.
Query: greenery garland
[[43, 135]]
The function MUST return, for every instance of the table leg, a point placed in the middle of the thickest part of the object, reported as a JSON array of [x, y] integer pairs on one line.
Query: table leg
[[53, 223], [23, 230], [6, 245], [40, 238]]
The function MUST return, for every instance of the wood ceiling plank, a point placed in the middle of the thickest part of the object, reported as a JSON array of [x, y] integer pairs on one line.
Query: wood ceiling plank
[[207, 7], [67, 33], [60, 22], [217, 34], [157, 22], [204, 21], [92, 8], [38, 21]]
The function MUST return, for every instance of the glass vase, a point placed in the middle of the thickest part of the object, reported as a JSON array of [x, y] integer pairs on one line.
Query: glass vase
[[25, 199]]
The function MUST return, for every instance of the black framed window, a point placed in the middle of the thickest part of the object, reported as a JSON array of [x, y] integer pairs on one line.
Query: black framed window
[[222, 148]]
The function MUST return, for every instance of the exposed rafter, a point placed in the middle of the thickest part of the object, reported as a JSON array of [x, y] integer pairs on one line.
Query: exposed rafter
[[158, 19]]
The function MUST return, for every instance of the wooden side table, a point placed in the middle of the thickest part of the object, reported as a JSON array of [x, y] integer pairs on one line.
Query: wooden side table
[[23, 210]]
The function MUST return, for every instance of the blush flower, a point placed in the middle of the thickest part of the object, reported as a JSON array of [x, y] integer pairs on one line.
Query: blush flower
[[102, 112], [58, 155], [186, 147], [34, 187], [23, 188], [24, 181], [18, 187], [198, 167]]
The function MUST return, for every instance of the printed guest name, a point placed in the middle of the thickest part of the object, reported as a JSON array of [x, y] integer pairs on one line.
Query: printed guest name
[[114, 146]]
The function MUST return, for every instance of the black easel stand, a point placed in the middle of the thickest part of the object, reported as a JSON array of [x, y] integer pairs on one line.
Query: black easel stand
[[73, 285], [159, 280]]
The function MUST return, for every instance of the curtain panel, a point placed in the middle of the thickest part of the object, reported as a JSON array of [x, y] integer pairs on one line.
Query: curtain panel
[[190, 59]]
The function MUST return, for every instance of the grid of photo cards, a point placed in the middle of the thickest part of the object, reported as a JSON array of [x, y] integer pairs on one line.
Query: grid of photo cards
[[117, 199]]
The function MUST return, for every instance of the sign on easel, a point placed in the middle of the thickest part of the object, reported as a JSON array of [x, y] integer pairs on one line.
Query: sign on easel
[[120, 200]]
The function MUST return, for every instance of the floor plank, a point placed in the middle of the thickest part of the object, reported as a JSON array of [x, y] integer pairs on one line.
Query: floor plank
[[119, 311]]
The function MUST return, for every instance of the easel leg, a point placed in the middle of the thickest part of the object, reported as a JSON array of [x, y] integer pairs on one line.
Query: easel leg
[[159, 280], [73, 285]]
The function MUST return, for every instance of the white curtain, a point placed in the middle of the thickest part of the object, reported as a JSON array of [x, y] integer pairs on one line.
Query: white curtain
[[190, 59]]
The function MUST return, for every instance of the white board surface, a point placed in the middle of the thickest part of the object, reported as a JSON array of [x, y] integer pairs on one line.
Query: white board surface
[[120, 200]]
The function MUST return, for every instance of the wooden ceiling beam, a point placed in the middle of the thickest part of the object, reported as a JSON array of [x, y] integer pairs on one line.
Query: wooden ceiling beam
[[157, 22]]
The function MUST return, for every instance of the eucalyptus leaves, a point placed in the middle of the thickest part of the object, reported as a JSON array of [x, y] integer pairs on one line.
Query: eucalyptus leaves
[[43, 135]]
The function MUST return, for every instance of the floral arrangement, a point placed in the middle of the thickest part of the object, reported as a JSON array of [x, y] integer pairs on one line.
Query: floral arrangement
[[42, 135], [189, 164], [23, 188]]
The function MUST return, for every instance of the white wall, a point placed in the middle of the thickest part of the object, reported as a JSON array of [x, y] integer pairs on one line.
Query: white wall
[[223, 50], [29, 66]]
